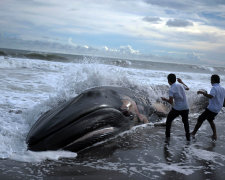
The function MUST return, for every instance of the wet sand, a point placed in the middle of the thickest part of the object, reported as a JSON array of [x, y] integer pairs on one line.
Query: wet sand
[[138, 154]]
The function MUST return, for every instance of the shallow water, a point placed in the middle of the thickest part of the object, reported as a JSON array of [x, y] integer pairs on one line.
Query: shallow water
[[31, 87], [138, 154]]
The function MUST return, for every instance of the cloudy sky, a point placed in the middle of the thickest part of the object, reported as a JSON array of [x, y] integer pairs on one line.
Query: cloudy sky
[[182, 31]]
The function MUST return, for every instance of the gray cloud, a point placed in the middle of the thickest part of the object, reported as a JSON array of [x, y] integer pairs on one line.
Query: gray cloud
[[212, 2], [185, 4], [210, 12], [178, 23], [152, 19], [174, 4]]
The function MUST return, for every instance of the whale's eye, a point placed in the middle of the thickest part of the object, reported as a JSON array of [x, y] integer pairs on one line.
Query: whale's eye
[[125, 112]]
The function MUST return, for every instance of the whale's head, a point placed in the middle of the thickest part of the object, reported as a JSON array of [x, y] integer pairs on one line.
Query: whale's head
[[94, 115]]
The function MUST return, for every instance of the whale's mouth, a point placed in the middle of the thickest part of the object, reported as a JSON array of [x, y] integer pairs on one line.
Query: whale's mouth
[[91, 138], [96, 124], [102, 132]]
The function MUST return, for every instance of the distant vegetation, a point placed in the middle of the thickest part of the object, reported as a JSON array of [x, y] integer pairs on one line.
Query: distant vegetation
[[2, 53], [45, 56]]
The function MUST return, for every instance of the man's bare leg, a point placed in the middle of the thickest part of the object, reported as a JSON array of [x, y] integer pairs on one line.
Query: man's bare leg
[[213, 126]]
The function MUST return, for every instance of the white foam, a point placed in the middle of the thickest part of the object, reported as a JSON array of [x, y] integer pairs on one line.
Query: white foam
[[202, 154], [143, 168], [31, 156]]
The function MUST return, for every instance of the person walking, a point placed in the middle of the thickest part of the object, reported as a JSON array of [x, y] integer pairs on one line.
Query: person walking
[[178, 100], [216, 102]]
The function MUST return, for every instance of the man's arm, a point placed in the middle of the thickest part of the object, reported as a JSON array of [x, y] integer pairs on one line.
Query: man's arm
[[205, 94], [180, 81], [170, 100]]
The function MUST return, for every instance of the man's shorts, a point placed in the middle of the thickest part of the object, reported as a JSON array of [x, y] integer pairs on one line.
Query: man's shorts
[[207, 114]]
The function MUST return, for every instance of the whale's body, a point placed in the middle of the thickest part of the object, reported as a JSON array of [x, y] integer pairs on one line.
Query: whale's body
[[92, 116]]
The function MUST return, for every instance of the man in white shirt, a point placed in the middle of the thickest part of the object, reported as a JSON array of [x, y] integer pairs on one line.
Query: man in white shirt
[[180, 105], [216, 101]]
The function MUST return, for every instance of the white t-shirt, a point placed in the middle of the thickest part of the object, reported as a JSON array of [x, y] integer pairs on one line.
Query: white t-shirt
[[216, 103], [177, 91]]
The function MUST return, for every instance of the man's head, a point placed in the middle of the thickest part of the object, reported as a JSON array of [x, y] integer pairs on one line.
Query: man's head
[[215, 79], [171, 78]]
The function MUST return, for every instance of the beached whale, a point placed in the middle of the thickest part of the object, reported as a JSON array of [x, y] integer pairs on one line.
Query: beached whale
[[92, 116]]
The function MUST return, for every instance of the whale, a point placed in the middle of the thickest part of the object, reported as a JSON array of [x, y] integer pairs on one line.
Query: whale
[[93, 116]]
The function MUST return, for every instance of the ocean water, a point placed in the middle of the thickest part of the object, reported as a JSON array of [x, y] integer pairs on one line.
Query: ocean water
[[31, 85]]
